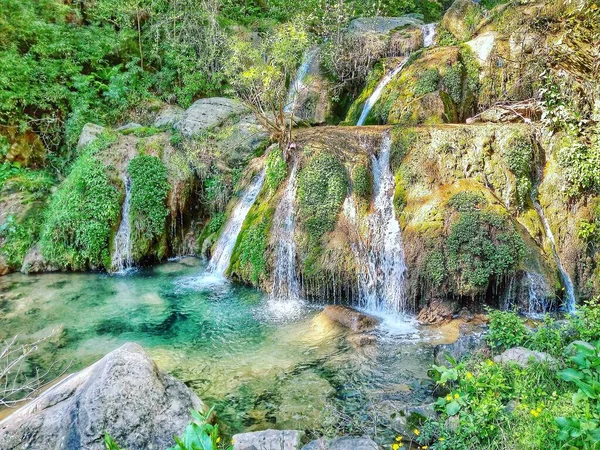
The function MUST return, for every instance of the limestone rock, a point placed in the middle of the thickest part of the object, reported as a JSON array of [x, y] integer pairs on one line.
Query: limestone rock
[[89, 134], [34, 262], [267, 440], [523, 356], [4, 267], [382, 25], [437, 312], [124, 394], [351, 318], [482, 46], [459, 18], [168, 116], [208, 113], [342, 443], [129, 126]]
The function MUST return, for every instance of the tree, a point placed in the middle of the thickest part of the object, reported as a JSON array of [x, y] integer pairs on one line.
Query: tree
[[260, 75]]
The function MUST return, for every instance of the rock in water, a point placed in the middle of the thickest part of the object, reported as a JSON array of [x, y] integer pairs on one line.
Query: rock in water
[[124, 394], [267, 440], [342, 443], [350, 318]]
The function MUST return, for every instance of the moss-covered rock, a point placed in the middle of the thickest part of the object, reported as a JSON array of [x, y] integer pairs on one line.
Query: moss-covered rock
[[462, 19]]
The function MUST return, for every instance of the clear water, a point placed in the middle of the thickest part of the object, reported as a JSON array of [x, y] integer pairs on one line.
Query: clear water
[[121, 259], [221, 257], [224, 341]]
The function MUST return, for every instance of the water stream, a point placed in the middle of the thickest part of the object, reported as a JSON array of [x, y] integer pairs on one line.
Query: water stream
[[219, 261], [429, 31], [298, 85], [121, 258], [377, 93]]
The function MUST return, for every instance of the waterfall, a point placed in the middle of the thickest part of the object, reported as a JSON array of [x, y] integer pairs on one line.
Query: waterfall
[[428, 34], [219, 261], [377, 92], [566, 279], [285, 285], [536, 295], [121, 258], [298, 83], [381, 257]]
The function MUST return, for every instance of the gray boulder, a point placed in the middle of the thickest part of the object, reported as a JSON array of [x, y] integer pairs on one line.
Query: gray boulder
[[350, 318], [124, 394], [466, 344], [89, 133], [208, 113], [382, 25], [34, 262], [523, 356], [342, 443], [267, 440], [168, 116], [129, 126]]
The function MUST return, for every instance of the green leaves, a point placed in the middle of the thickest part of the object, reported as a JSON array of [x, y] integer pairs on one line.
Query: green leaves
[[276, 169]]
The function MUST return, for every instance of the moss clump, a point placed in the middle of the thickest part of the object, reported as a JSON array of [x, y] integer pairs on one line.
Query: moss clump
[[212, 228], [427, 82], [580, 163], [403, 140], [467, 201], [520, 160], [20, 234], [400, 191], [276, 169], [149, 191], [82, 213], [362, 182]]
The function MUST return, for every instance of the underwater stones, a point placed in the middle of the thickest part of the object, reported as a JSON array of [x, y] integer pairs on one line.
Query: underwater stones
[[523, 356], [460, 17], [124, 394], [267, 440], [351, 318], [168, 116], [208, 113], [469, 341], [89, 133], [342, 443], [361, 339]]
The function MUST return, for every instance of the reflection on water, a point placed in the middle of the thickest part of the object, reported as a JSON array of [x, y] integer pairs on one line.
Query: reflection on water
[[225, 341]]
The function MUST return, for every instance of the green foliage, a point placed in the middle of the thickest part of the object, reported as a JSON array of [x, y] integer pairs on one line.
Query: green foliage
[[453, 82], [149, 189], [467, 201], [445, 38], [322, 187], [276, 169], [402, 142], [520, 160], [506, 330], [82, 214], [427, 82], [110, 443], [580, 163], [216, 192], [20, 235], [362, 182], [400, 191], [435, 267], [252, 250]]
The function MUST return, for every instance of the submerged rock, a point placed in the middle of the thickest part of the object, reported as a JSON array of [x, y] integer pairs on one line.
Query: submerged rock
[[267, 440], [523, 356], [469, 341], [124, 394], [351, 318], [89, 133], [342, 443]]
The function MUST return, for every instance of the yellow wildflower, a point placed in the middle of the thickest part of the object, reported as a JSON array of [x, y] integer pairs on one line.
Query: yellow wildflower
[[539, 410], [534, 413], [442, 439], [417, 432], [397, 446], [424, 447], [490, 362], [398, 438], [469, 375], [218, 439], [456, 396]]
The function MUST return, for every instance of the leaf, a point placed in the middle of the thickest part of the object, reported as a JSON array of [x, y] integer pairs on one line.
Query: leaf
[[452, 408], [570, 375]]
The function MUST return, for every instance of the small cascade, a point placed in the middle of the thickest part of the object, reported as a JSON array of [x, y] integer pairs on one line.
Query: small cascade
[[298, 84], [219, 261], [286, 287], [121, 258], [537, 300], [566, 279], [429, 31], [377, 92], [381, 281]]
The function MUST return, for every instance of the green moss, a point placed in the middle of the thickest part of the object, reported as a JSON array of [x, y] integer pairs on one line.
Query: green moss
[[435, 267], [20, 234], [370, 85], [212, 228], [520, 160], [427, 82], [445, 38], [400, 191], [276, 169], [453, 82], [362, 182], [149, 189], [403, 140], [467, 201], [82, 213]]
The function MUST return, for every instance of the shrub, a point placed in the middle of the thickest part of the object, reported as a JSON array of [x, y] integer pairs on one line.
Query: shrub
[[361, 181], [506, 330], [520, 161], [467, 201], [402, 142], [149, 189], [580, 164], [276, 169]]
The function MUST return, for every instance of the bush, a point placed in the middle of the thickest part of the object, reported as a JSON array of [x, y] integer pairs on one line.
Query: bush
[[361, 181], [580, 164], [276, 169], [506, 330], [149, 189]]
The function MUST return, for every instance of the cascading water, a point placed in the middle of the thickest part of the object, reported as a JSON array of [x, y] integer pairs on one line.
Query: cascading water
[[298, 84], [428, 34], [121, 258], [377, 93], [537, 302], [219, 262], [285, 287], [566, 279]]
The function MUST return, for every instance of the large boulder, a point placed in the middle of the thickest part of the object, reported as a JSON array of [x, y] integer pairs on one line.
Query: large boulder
[[168, 116], [267, 440], [350, 318], [208, 113], [89, 133], [342, 443], [124, 394], [469, 341], [461, 19], [523, 356], [382, 25]]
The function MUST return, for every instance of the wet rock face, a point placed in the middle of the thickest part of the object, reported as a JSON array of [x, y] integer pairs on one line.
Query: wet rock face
[[437, 312], [267, 440], [124, 394], [342, 443], [350, 318]]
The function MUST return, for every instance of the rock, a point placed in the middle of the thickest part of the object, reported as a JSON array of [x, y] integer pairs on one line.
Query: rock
[[342, 443], [313, 99], [208, 113], [520, 112], [361, 339], [34, 262], [469, 341], [482, 46], [382, 25], [5, 269], [523, 356], [168, 116], [460, 17], [89, 134], [124, 394], [23, 147], [240, 137], [351, 318], [129, 126], [267, 440], [437, 312]]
